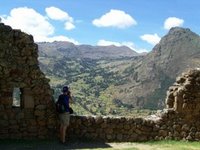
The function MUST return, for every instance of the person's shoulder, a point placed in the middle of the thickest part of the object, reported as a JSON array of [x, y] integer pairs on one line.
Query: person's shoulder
[[61, 96]]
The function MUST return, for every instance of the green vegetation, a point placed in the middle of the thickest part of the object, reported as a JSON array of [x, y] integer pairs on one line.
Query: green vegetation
[[154, 145], [95, 84], [174, 145]]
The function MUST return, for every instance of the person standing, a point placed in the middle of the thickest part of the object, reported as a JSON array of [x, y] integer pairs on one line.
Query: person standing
[[63, 100]]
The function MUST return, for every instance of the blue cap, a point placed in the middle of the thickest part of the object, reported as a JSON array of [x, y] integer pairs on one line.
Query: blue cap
[[65, 89]]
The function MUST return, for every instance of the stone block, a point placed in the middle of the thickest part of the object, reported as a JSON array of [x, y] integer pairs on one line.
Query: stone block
[[127, 127], [110, 137], [39, 113], [163, 133], [109, 131], [4, 123], [42, 123], [119, 137], [29, 114], [20, 116], [2, 107], [41, 107], [185, 127], [32, 129]]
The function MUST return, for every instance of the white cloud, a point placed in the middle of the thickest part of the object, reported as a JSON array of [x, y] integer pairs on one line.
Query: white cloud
[[108, 43], [58, 14], [58, 38], [152, 39], [69, 26], [115, 18], [142, 50], [131, 45], [173, 22], [31, 22]]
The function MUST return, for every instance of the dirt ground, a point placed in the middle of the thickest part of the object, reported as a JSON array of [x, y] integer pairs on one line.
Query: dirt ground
[[70, 145], [85, 144]]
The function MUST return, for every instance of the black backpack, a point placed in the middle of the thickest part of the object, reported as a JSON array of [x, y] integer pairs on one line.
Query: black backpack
[[60, 108]]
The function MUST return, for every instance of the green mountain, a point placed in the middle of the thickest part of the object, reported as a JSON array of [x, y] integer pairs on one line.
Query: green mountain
[[117, 80], [177, 52]]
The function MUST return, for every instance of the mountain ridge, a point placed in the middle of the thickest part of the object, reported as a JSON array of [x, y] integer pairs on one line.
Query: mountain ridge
[[131, 82], [173, 55], [67, 49]]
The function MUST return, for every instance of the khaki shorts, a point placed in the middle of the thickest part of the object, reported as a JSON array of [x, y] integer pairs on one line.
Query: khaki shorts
[[64, 118]]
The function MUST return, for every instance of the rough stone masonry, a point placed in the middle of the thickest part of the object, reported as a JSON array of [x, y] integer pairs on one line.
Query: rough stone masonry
[[35, 116], [19, 68]]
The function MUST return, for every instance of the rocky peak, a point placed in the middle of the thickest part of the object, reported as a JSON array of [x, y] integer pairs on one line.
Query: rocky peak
[[178, 42], [180, 30], [178, 34], [177, 52]]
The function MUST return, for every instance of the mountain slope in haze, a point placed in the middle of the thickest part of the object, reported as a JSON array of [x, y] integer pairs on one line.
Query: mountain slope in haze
[[69, 50], [113, 83]]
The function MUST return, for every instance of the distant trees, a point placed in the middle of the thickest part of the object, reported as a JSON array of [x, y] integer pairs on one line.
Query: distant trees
[[90, 81]]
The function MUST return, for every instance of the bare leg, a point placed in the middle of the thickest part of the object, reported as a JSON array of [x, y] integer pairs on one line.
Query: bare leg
[[63, 133]]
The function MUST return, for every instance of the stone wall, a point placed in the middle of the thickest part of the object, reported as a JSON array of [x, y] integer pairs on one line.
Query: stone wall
[[122, 129], [19, 68], [35, 117], [184, 96]]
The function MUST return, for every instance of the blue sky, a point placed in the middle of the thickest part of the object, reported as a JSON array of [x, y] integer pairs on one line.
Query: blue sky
[[138, 24]]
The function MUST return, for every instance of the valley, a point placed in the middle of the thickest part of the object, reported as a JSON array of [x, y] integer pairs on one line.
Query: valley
[[116, 80]]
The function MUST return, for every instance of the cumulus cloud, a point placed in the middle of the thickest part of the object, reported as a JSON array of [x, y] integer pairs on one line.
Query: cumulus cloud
[[173, 22], [58, 14], [131, 45], [69, 26], [115, 18], [152, 39], [108, 43], [58, 38], [31, 22]]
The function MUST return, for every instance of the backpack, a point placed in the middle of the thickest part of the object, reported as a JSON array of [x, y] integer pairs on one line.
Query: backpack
[[60, 108]]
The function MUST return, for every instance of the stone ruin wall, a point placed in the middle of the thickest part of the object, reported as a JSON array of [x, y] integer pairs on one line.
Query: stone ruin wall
[[19, 68], [36, 116]]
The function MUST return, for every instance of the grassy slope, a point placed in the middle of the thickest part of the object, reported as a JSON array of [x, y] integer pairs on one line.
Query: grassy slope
[[94, 84]]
